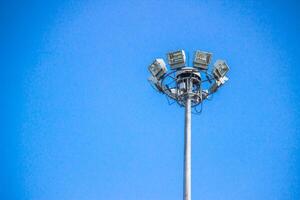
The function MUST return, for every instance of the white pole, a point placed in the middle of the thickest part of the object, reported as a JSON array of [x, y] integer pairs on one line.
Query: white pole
[[187, 151]]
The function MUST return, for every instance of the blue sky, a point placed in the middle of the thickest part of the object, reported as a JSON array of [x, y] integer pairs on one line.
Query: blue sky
[[80, 121]]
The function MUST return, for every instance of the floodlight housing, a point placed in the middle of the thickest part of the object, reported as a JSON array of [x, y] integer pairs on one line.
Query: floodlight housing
[[220, 69], [223, 80], [176, 59], [213, 88], [202, 59], [155, 83], [217, 84], [158, 68], [204, 94]]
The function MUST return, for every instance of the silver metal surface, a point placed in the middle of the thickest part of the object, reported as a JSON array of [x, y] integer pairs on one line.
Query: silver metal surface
[[158, 68], [176, 59], [220, 69], [187, 150], [202, 59]]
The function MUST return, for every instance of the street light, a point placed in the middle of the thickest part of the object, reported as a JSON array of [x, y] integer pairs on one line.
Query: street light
[[183, 84], [176, 59], [158, 68], [220, 69], [202, 60]]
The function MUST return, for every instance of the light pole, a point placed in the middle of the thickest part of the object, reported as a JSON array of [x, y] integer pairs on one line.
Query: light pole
[[183, 85], [187, 150]]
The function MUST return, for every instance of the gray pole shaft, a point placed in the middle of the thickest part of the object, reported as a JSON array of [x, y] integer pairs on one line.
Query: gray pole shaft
[[187, 151]]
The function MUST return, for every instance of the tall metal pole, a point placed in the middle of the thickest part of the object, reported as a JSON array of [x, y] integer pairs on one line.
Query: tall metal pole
[[184, 85], [187, 149]]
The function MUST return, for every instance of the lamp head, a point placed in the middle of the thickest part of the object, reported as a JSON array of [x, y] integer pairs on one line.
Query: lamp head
[[220, 69], [158, 68], [176, 59], [202, 59]]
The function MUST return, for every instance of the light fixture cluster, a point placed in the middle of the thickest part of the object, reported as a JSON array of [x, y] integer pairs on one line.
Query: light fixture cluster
[[183, 81]]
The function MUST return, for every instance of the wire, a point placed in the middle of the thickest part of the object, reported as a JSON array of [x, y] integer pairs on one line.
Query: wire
[[170, 103], [166, 88], [154, 87], [197, 111]]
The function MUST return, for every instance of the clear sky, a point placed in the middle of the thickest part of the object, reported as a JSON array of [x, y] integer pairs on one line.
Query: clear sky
[[80, 121]]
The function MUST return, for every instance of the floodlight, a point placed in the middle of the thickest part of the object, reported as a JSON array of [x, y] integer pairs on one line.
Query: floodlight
[[217, 84], [176, 59], [220, 69], [155, 83], [223, 80], [184, 84], [158, 68], [202, 60], [204, 94], [213, 88]]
